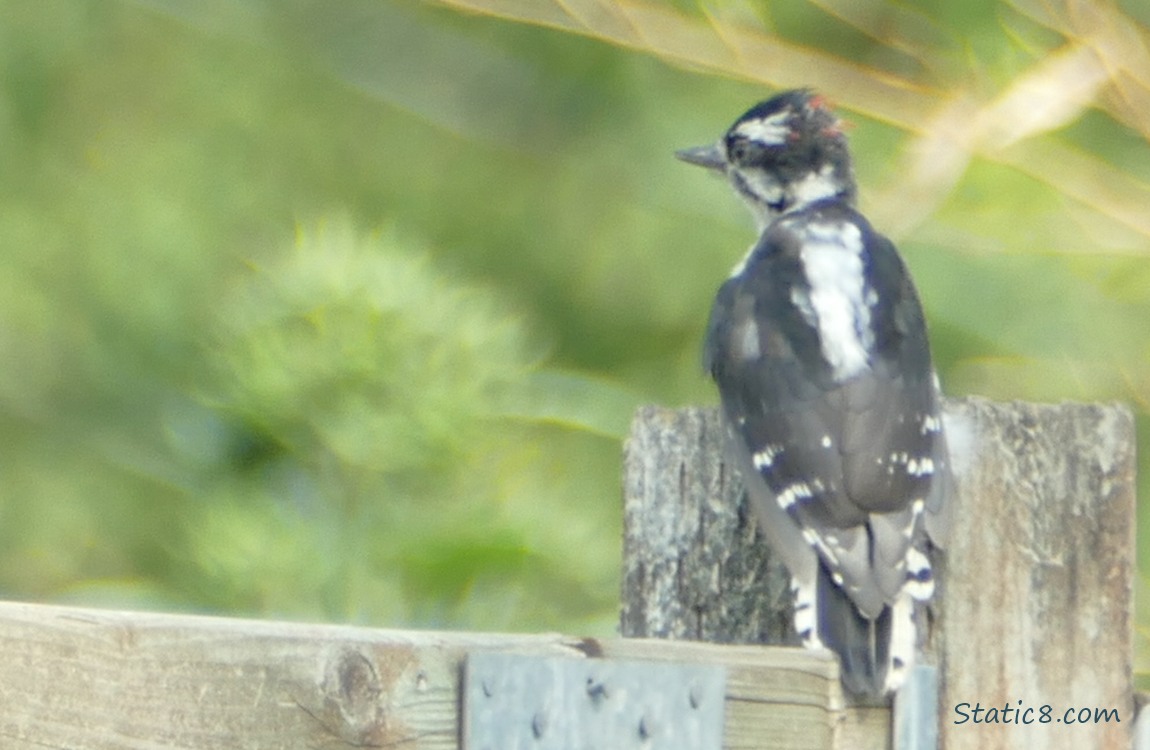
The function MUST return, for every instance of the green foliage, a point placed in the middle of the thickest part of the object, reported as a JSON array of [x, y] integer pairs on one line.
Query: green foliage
[[365, 397], [410, 415], [355, 353]]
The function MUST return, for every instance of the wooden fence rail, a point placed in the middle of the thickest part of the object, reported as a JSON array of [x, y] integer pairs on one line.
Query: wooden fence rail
[[94, 679]]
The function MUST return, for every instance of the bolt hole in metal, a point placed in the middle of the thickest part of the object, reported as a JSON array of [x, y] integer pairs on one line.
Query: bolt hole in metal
[[521, 702]]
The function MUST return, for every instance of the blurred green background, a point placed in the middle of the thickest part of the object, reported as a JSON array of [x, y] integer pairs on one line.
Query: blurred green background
[[339, 311]]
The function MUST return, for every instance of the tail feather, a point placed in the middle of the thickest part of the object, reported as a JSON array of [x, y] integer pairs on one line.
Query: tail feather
[[862, 645], [875, 654]]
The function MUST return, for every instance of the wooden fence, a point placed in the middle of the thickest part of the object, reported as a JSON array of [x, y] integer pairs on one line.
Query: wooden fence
[[1036, 597], [1035, 612]]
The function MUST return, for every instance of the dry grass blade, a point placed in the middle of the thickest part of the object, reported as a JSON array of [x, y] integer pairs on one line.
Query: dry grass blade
[[930, 166], [899, 27], [743, 52], [1085, 178], [1104, 62], [1050, 95], [1122, 47]]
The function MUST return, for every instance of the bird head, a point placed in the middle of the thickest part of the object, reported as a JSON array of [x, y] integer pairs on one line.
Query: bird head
[[782, 155]]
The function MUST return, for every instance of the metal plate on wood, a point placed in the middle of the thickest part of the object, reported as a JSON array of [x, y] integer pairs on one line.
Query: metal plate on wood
[[916, 710], [515, 702]]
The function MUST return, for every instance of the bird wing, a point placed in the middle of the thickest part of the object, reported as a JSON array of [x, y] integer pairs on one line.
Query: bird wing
[[849, 461]]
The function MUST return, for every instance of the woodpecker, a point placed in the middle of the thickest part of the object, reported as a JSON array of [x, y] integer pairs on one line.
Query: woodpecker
[[818, 345]]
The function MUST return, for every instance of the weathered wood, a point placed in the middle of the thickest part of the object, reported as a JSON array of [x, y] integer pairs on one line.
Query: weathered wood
[[1036, 595], [777, 698], [93, 679], [1037, 603], [693, 566]]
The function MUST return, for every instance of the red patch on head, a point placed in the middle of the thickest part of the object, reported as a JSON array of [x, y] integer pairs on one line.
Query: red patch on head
[[820, 102]]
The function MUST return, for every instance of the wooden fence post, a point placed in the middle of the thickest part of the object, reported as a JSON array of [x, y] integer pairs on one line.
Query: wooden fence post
[[1036, 605]]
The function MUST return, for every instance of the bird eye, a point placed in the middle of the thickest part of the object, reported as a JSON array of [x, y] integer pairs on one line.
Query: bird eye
[[738, 151]]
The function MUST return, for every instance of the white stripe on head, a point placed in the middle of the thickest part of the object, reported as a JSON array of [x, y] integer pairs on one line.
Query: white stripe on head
[[769, 131]]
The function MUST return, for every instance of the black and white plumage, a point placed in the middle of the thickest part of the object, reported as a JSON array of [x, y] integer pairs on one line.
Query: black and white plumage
[[819, 348]]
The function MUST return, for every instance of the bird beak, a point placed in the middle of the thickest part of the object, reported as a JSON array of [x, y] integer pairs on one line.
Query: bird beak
[[710, 157]]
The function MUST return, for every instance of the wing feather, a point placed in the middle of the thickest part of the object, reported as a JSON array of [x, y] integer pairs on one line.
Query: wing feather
[[849, 462]]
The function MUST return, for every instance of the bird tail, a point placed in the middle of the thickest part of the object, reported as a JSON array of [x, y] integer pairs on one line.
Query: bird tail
[[875, 654]]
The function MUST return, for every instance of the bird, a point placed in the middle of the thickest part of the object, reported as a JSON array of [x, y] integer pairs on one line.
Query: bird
[[818, 345]]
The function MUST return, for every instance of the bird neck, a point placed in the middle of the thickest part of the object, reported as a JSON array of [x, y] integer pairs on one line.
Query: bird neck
[[816, 185]]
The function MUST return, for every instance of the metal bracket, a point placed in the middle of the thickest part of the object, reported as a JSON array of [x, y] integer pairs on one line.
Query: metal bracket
[[514, 702], [916, 710]]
